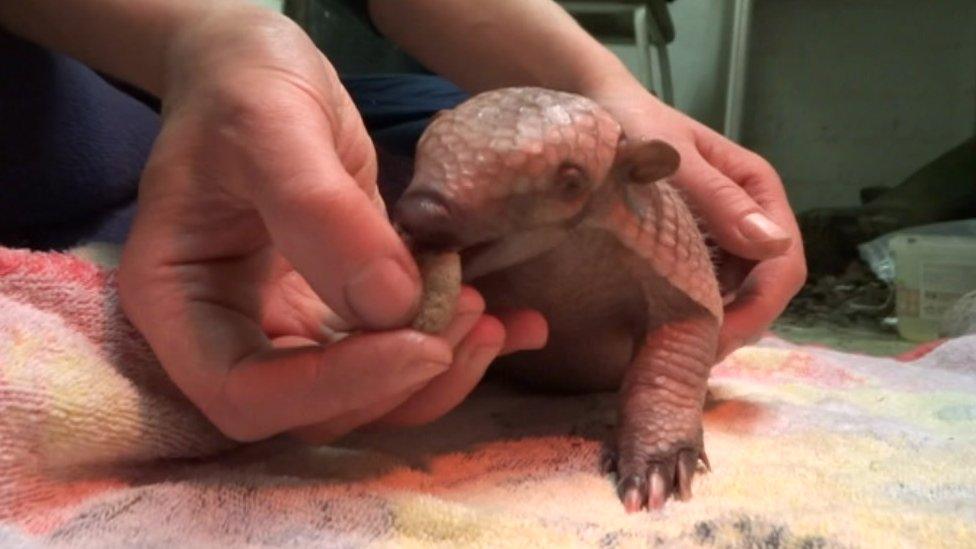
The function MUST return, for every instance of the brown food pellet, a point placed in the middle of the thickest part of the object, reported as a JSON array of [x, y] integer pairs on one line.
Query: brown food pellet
[[441, 273]]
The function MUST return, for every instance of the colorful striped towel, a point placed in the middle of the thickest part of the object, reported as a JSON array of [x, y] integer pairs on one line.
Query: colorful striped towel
[[809, 447]]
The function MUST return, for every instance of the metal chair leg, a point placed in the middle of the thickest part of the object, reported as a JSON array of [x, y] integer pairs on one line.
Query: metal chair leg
[[664, 65], [666, 92], [646, 33], [643, 46], [736, 80]]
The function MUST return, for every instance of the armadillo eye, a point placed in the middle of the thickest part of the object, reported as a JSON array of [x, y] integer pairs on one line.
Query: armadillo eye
[[570, 180]]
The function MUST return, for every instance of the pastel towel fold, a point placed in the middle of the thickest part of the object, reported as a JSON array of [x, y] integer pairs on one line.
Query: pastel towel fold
[[809, 447]]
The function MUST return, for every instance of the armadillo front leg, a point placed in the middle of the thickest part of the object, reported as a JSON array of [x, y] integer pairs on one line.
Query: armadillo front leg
[[659, 439]]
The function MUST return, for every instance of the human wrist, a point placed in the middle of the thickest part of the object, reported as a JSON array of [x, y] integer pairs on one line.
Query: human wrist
[[604, 74], [611, 85], [638, 111], [223, 45]]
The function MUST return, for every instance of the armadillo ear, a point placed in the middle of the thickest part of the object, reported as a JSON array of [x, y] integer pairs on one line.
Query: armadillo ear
[[645, 161]]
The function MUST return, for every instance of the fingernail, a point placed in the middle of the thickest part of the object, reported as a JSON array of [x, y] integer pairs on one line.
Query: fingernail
[[431, 349], [420, 372], [759, 228], [433, 357], [382, 294]]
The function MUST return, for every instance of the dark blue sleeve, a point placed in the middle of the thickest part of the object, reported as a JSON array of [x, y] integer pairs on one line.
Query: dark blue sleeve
[[396, 109], [73, 144], [72, 147]]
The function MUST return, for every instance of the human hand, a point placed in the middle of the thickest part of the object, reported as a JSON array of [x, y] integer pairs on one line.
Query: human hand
[[261, 263], [743, 204]]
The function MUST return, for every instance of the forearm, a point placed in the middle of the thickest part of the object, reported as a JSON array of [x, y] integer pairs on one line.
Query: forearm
[[487, 44], [127, 39]]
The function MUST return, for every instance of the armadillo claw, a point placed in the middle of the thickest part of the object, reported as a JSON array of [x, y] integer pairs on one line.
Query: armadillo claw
[[633, 492], [704, 460], [685, 473], [662, 476], [608, 461], [659, 488]]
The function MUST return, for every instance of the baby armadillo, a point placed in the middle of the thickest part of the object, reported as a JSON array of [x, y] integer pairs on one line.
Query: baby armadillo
[[553, 209]]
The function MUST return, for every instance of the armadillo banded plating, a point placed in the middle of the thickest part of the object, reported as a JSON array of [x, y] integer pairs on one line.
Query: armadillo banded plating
[[552, 209], [670, 241], [514, 138]]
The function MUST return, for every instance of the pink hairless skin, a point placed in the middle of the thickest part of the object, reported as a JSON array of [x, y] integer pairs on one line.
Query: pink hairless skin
[[552, 209]]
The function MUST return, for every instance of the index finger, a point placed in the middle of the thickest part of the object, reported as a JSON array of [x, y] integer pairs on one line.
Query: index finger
[[751, 172], [761, 299]]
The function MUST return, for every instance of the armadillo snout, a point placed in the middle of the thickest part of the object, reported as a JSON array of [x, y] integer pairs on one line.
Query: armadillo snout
[[426, 220]]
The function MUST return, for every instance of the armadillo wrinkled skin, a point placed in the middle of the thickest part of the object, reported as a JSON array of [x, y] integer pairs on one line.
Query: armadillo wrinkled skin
[[514, 138]]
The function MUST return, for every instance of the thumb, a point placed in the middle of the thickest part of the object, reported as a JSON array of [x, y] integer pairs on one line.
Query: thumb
[[340, 240]]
